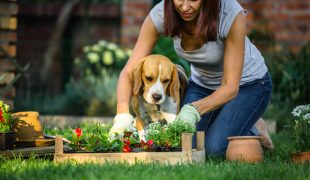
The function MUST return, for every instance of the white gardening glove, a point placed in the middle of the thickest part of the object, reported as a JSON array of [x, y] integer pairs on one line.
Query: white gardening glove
[[122, 122], [189, 114]]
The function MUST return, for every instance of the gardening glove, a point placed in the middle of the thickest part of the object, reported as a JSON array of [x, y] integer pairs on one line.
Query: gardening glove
[[122, 122], [142, 135], [189, 114]]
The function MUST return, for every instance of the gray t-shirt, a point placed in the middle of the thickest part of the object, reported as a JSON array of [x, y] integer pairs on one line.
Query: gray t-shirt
[[207, 61]]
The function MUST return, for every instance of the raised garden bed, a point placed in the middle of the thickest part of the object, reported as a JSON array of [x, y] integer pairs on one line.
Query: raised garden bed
[[186, 155]]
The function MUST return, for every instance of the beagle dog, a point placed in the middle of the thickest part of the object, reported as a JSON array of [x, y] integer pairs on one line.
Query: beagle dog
[[158, 86]]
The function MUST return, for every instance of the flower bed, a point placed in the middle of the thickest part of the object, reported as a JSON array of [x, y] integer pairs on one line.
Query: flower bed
[[187, 155], [169, 143]]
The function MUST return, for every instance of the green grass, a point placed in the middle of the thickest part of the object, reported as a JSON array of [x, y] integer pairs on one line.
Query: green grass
[[276, 165]]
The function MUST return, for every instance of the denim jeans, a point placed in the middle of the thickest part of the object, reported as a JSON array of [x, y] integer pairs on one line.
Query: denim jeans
[[235, 118]]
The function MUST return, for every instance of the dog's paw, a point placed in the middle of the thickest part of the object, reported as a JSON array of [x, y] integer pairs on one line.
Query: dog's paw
[[169, 117]]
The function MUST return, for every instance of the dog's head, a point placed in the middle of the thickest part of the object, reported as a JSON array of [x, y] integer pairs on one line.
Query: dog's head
[[155, 78]]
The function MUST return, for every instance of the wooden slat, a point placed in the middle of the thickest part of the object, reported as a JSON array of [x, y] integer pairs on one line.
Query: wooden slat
[[7, 36], [6, 77], [26, 152], [10, 49], [9, 23], [8, 8], [10, 93], [187, 155], [6, 66]]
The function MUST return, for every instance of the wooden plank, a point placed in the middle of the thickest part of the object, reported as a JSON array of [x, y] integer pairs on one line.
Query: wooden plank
[[6, 77], [187, 155], [6, 66], [26, 152], [9, 23], [8, 8], [10, 93], [200, 141], [186, 142], [8, 36], [10, 50]]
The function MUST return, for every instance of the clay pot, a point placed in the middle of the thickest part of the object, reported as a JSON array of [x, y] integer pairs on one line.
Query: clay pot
[[300, 157], [245, 149]]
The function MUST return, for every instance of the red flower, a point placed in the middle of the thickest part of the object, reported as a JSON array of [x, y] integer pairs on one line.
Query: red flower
[[126, 141], [150, 142], [127, 148], [78, 132], [1, 117]]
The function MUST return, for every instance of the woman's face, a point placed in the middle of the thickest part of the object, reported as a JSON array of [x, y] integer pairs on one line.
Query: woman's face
[[188, 9]]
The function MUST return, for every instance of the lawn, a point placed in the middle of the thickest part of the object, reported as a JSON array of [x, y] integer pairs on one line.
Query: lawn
[[276, 165]]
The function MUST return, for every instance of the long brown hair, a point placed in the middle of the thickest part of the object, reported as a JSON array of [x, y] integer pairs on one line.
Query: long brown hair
[[207, 22]]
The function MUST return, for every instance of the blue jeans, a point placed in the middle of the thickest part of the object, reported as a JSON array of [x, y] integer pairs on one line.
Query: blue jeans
[[235, 118]]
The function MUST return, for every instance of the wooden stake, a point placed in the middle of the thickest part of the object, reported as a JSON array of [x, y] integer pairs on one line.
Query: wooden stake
[[187, 142], [59, 146], [200, 140]]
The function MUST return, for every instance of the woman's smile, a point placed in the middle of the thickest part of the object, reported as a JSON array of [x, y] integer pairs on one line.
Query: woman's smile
[[188, 9]]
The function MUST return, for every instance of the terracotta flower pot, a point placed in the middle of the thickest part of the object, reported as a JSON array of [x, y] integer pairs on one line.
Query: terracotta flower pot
[[244, 148], [300, 157]]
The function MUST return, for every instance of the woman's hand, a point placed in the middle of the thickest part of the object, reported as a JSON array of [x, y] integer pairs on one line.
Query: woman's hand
[[121, 123], [189, 114]]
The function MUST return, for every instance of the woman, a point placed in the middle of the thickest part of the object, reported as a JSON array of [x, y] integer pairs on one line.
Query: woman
[[229, 86]]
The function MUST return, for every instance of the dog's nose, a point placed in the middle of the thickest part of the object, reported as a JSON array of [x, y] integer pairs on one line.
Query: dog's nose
[[156, 97]]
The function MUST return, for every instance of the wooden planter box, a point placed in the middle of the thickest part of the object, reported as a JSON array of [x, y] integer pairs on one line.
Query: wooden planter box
[[187, 155]]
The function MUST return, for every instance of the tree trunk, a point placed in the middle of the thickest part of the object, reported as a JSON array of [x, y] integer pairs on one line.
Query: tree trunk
[[54, 44]]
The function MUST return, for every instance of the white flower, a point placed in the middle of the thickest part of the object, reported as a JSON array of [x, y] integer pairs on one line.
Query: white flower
[[86, 49], [6, 108], [119, 54], [307, 116], [297, 111], [111, 46], [107, 58], [93, 57], [128, 52], [102, 43], [96, 48]]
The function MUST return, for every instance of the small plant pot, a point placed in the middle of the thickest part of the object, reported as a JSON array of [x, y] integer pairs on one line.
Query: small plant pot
[[300, 157], [7, 141], [245, 149]]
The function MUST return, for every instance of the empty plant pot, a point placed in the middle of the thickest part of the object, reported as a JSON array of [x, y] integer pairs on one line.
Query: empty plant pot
[[301, 157], [245, 149]]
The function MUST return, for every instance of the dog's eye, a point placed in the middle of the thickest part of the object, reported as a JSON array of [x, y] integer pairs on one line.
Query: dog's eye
[[166, 80], [149, 78]]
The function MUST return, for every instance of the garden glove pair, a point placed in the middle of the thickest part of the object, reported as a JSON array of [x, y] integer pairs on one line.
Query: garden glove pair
[[189, 114], [122, 122]]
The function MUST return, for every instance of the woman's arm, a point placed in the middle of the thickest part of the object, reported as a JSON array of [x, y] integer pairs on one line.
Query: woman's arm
[[147, 39], [233, 65]]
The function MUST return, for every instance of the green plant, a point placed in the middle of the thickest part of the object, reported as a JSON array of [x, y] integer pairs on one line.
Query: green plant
[[301, 115], [7, 120], [169, 135], [102, 55], [93, 139], [290, 77]]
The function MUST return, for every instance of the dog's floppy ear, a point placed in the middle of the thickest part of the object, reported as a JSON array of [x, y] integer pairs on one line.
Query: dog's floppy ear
[[183, 80], [136, 78], [174, 85]]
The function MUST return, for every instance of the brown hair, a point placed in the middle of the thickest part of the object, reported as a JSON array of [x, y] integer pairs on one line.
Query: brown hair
[[206, 24]]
